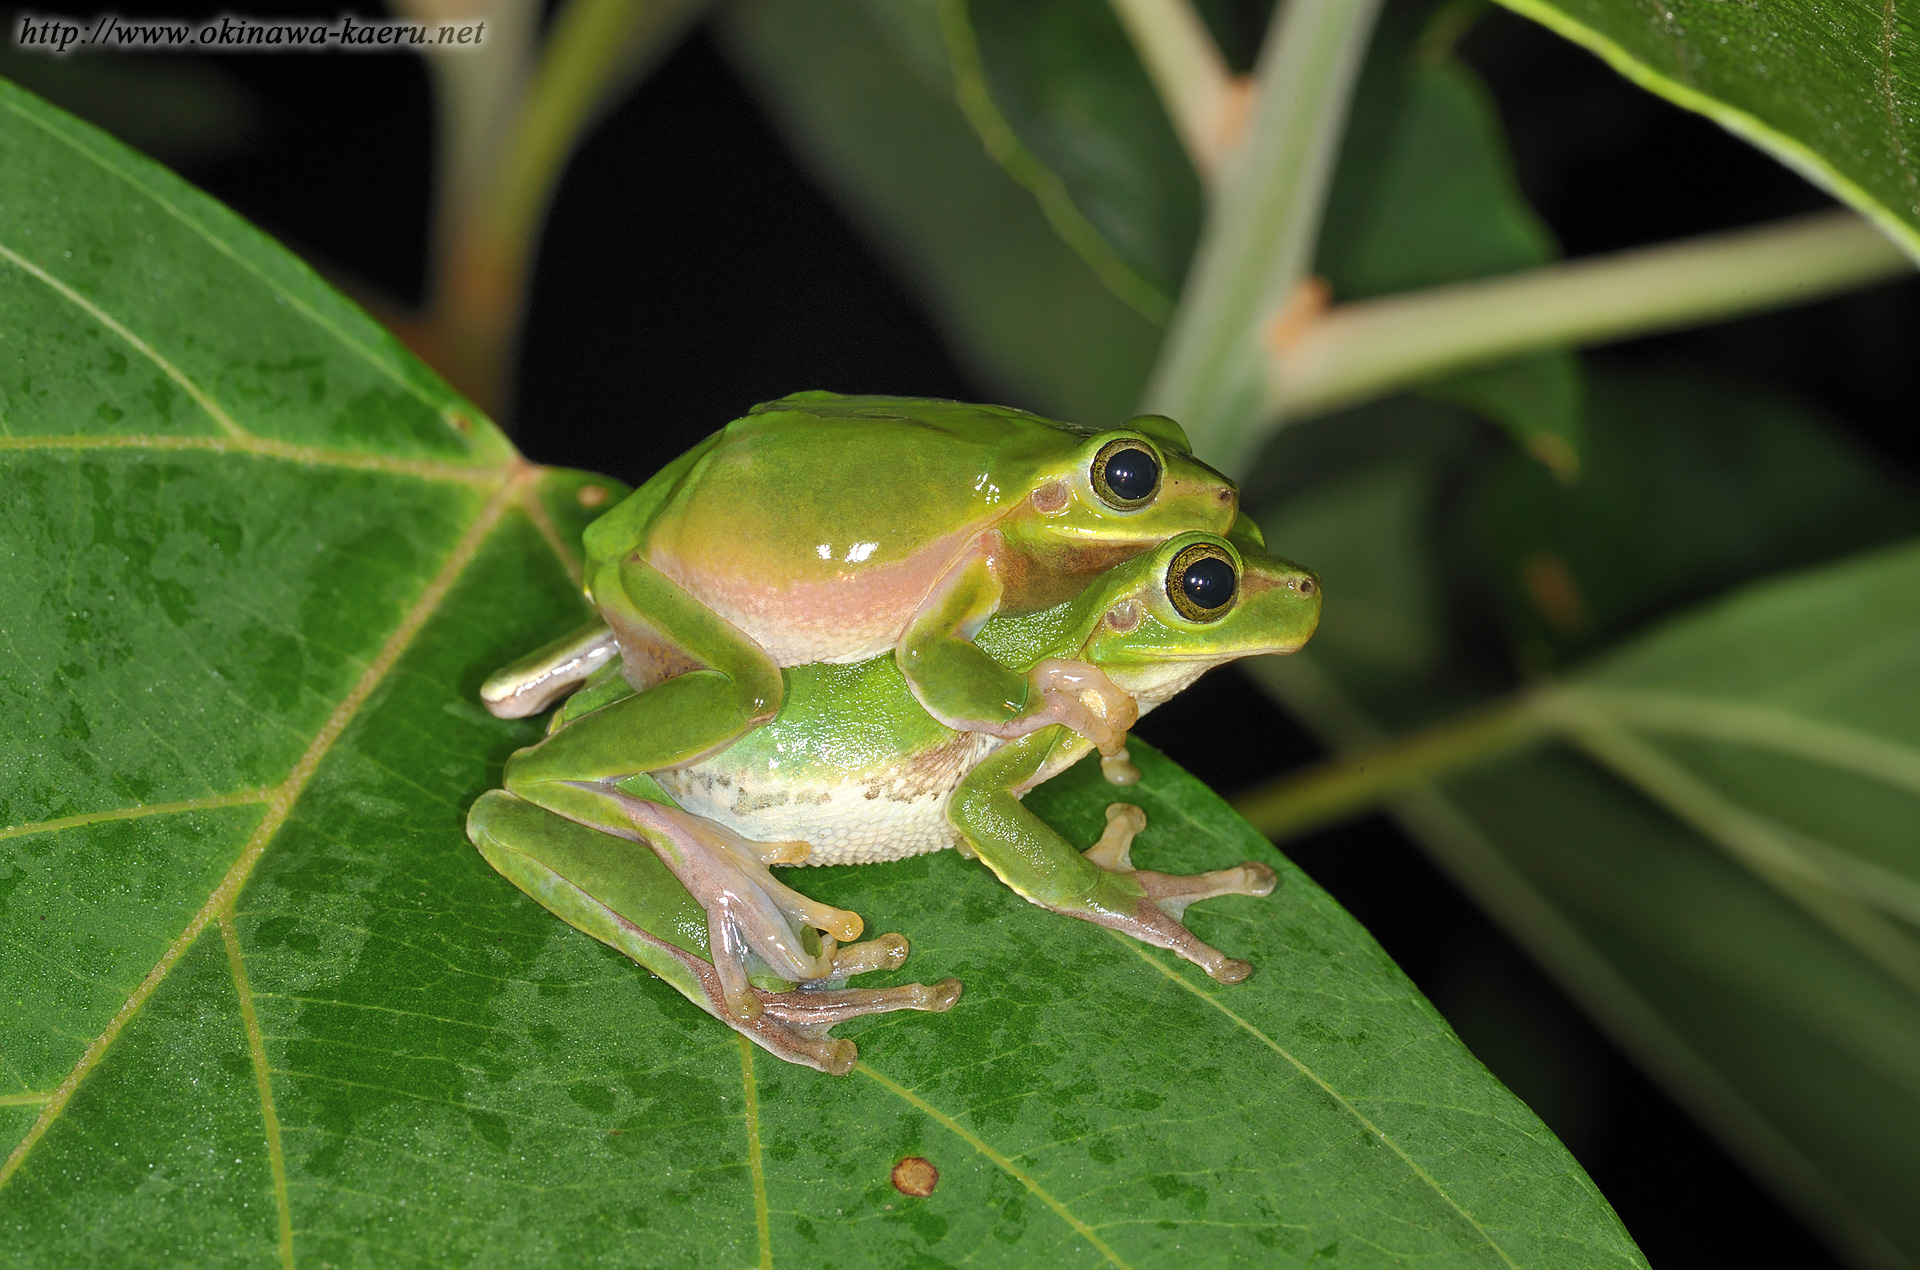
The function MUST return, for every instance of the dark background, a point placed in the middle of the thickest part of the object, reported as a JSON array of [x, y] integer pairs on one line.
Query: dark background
[[689, 268]]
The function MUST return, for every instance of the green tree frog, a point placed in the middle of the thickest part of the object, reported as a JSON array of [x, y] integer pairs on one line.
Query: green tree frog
[[823, 528], [671, 867]]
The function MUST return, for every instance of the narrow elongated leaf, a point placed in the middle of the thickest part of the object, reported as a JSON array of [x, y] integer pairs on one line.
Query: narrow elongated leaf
[[871, 108], [1426, 196], [263, 1001], [1828, 89], [1063, 80], [1761, 938], [1695, 483], [1721, 862]]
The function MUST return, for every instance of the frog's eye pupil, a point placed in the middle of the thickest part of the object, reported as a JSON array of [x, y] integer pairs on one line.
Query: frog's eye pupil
[[1132, 474], [1201, 582], [1126, 474], [1208, 582]]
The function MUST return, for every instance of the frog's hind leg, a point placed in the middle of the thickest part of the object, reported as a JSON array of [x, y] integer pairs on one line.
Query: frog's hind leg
[[796, 1025], [750, 915], [623, 894]]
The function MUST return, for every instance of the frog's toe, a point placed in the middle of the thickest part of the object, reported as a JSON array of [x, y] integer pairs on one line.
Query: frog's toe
[[794, 1025], [885, 953], [1155, 916], [748, 910]]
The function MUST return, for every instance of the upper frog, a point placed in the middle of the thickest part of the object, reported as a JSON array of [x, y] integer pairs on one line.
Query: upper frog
[[827, 528]]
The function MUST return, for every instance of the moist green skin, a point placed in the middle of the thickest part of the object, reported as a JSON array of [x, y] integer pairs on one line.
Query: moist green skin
[[611, 851], [822, 528]]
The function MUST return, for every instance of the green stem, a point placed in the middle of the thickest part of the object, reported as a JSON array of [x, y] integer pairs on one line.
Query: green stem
[[1259, 237], [1187, 69], [1372, 347], [1364, 779]]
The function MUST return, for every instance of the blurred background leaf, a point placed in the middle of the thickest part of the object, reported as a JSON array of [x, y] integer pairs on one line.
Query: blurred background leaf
[[1818, 86]]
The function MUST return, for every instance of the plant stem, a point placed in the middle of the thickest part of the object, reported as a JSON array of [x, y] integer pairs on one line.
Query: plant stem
[[1363, 779], [1259, 236], [516, 135], [1203, 98], [1365, 349]]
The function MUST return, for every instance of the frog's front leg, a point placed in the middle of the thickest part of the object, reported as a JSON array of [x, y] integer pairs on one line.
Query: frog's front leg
[[967, 690], [1100, 885], [624, 895]]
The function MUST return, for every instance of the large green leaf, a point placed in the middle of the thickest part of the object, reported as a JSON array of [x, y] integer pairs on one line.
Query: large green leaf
[[1827, 88], [264, 1001], [1756, 943], [1719, 859], [871, 107]]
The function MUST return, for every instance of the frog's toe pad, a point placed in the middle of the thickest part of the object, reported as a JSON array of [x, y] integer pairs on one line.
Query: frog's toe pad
[[888, 952]]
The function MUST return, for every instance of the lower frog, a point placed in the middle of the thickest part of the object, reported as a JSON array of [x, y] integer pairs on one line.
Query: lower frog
[[671, 867]]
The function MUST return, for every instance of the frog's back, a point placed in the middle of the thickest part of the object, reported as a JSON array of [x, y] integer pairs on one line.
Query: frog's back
[[818, 523]]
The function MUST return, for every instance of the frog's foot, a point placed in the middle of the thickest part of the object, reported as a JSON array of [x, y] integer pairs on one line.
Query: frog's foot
[[749, 912], [794, 1025], [1154, 917], [1079, 695]]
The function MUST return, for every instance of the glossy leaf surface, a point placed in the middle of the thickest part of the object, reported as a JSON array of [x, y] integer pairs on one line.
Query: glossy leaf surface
[[1825, 88], [264, 1002]]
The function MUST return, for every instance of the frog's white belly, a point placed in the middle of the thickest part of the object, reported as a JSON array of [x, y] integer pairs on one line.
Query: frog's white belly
[[856, 817]]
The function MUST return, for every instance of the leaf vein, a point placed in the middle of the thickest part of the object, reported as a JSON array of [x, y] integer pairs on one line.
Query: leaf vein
[[1380, 1134], [280, 805], [1005, 1164]]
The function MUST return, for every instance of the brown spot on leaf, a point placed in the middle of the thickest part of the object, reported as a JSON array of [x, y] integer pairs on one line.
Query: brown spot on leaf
[[592, 495], [915, 1176]]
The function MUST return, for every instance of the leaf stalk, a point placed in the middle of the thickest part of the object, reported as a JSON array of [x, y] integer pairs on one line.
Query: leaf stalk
[[1259, 236], [1365, 349], [1207, 102]]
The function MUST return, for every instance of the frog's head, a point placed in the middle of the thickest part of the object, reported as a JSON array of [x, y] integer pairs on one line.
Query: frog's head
[[1164, 618], [1115, 493]]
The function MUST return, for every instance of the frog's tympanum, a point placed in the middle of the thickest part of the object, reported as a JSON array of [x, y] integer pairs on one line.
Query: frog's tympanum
[[823, 528], [885, 742]]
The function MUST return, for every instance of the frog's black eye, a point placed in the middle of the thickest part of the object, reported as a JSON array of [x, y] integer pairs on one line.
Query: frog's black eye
[[1201, 582], [1126, 474]]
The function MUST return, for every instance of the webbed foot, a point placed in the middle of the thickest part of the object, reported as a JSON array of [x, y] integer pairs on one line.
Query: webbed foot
[[750, 914], [1079, 695], [794, 1025], [1153, 915]]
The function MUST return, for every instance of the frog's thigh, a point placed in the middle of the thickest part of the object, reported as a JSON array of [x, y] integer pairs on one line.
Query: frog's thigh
[[614, 889], [664, 632]]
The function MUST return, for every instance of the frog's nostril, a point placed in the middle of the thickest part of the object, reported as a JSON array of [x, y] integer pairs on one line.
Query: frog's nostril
[[1307, 586]]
